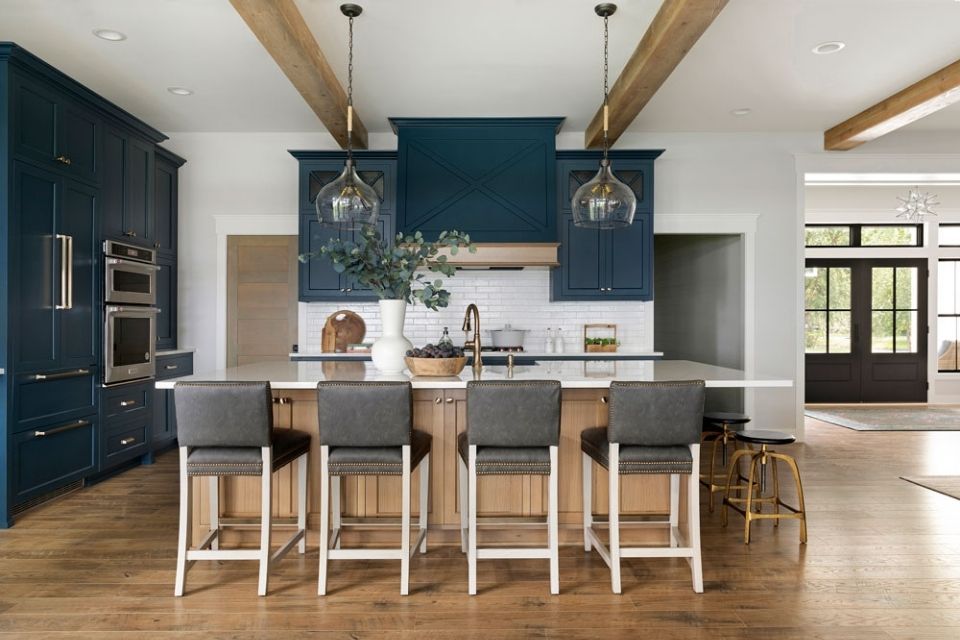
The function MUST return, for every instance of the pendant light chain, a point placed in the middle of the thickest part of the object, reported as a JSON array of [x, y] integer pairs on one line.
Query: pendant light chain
[[350, 95], [606, 87]]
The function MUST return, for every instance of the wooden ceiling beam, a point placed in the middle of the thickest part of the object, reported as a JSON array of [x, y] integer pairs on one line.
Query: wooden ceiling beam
[[935, 92], [672, 33], [281, 30]]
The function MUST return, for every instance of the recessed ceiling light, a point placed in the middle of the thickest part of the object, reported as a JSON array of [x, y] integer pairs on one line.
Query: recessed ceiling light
[[109, 34], [741, 112], [180, 91], [825, 48]]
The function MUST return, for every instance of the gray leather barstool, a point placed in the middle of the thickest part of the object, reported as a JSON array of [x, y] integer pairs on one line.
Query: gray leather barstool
[[366, 429], [654, 427], [226, 429], [513, 428]]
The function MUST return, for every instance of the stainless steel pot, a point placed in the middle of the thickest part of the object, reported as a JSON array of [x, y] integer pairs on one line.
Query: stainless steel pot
[[507, 337]]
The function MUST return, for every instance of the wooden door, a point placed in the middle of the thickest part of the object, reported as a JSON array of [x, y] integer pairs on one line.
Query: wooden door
[[261, 298]]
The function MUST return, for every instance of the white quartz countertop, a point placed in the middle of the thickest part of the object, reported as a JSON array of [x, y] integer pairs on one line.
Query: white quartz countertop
[[571, 374], [175, 352], [578, 355]]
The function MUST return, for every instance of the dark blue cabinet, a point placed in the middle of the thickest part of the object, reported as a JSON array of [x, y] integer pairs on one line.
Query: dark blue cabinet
[[317, 279], [128, 182], [492, 177], [52, 130], [612, 264], [166, 215], [164, 411], [57, 256], [167, 303]]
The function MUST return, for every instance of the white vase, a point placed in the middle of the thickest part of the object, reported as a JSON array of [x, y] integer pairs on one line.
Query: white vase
[[389, 350]]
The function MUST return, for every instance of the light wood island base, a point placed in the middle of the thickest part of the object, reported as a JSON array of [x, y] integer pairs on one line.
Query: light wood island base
[[375, 501]]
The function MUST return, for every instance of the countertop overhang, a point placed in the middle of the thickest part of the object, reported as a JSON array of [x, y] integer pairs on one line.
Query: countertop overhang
[[591, 374]]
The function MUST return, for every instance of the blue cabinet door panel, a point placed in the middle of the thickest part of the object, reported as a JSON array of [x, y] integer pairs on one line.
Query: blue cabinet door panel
[[36, 256], [138, 192], [167, 303], [53, 456], [111, 191], [34, 121], [494, 179], [629, 255], [165, 207], [317, 277], [55, 396], [78, 140], [581, 254], [80, 324]]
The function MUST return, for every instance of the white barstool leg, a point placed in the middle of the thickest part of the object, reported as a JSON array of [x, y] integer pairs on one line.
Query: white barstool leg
[[336, 509], [215, 510], [302, 502], [674, 508], [693, 516], [184, 541], [424, 499], [266, 509], [324, 518], [405, 524], [614, 518], [472, 521], [552, 525], [464, 507], [587, 494]]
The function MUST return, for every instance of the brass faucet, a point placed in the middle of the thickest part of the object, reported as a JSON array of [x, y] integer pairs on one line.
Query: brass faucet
[[475, 327]]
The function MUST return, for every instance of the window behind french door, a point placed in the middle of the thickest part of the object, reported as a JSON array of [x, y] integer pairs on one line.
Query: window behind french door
[[866, 330]]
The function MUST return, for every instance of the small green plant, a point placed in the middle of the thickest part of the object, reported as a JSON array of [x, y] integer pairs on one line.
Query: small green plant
[[603, 342], [397, 273]]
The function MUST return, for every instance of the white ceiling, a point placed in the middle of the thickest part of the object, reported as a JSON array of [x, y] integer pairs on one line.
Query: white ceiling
[[496, 58]]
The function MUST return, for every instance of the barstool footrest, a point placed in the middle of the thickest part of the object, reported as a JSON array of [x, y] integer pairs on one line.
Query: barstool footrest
[[504, 553]]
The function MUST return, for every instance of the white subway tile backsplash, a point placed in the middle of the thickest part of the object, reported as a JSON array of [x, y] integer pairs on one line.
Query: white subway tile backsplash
[[521, 298]]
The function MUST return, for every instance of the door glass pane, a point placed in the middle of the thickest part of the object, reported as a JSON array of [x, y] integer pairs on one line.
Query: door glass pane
[[947, 287], [882, 288], [828, 236], [906, 331], [839, 288], [881, 332], [947, 359], [839, 338], [905, 236], [816, 287], [906, 288], [816, 331]]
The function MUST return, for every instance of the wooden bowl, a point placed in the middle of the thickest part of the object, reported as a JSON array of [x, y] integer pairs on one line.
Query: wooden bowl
[[436, 366]]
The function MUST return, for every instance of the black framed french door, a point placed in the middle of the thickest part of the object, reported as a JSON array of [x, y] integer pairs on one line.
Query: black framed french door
[[865, 323]]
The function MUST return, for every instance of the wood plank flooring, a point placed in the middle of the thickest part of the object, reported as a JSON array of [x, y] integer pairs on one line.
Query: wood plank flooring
[[882, 563]]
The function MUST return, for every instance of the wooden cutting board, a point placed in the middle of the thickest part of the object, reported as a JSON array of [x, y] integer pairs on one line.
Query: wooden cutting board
[[342, 328]]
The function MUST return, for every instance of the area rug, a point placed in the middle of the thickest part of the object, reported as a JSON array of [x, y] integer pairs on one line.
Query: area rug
[[947, 485], [894, 418]]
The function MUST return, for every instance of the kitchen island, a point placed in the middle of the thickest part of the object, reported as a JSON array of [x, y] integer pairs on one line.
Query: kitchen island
[[495, 357], [439, 408]]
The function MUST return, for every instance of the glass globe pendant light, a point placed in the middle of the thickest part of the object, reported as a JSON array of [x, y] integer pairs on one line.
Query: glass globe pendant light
[[604, 202], [348, 202]]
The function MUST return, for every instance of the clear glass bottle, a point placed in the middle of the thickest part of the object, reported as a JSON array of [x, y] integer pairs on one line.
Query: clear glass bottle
[[445, 339], [548, 343]]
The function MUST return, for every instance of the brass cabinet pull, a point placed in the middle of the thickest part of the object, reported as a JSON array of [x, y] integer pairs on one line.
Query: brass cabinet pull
[[128, 403], [437, 400], [66, 427], [130, 234], [280, 400], [62, 159], [60, 376], [124, 442], [171, 367], [449, 400], [604, 399]]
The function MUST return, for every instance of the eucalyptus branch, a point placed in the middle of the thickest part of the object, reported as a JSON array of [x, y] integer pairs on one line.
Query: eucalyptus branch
[[397, 272]]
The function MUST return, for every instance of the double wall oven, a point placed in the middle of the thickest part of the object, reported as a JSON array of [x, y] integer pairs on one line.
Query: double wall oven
[[130, 295]]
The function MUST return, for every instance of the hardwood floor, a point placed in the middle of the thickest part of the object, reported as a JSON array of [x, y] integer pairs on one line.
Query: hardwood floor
[[882, 562]]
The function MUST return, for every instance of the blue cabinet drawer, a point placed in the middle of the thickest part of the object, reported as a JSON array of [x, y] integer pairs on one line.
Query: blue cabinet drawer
[[128, 400], [54, 396], [52, 456], [174, 366], [125, 441]]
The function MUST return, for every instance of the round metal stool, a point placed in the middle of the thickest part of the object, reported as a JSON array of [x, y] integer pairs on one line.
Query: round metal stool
[[756, 481], [718, 428]]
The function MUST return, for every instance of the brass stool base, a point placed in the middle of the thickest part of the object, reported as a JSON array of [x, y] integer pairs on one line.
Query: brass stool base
[[752, 508], [720, 440]]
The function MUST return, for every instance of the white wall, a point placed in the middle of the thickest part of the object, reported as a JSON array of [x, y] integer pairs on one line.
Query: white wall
[[252, 174]]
